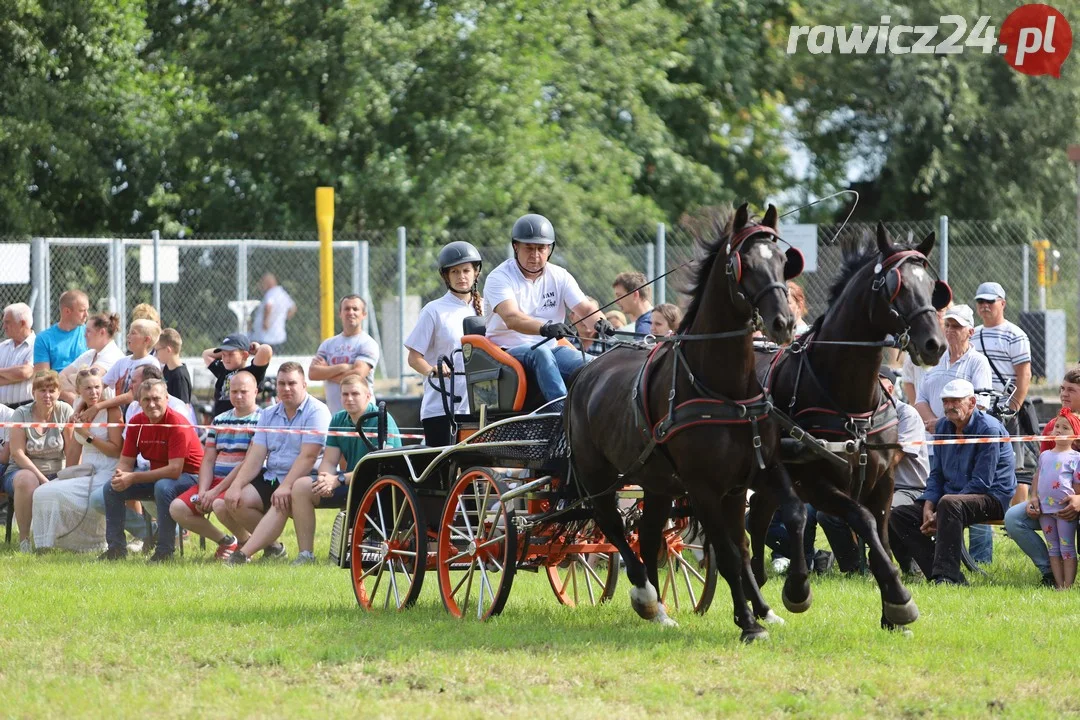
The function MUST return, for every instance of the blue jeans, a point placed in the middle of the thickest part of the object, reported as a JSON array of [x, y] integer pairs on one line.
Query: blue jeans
[[163, 492], [549, 366], [133, 521], [981, 543], [1024, 531], [778, 540]]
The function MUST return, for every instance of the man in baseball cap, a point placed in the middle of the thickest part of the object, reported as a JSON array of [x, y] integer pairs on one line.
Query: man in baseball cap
[[968, 484], [990, 291]]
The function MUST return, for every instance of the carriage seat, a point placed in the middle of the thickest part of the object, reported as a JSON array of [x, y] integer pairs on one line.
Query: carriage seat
[[493, 377]]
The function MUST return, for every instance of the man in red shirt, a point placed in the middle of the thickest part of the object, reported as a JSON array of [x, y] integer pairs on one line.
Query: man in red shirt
[[167, 441]]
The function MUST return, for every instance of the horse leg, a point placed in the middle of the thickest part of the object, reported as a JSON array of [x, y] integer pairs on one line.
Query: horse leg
[[796, 594], [762, 507], [730, 561], [643, 597], [657, 510], [761, 609]]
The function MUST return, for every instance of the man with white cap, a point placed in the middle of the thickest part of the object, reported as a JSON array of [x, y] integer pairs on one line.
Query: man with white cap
[[1007, 348], [967, 484]]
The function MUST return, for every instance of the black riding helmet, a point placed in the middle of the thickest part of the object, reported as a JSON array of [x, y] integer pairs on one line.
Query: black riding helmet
[[459, 252], [533, 228]]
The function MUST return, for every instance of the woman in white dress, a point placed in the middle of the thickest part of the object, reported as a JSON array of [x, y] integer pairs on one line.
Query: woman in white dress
[[62, 515]]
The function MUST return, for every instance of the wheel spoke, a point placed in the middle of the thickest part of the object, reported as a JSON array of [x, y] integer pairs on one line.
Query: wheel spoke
[[690, 568], [399, 514], [465, 518], [393, 586], [374, 526], [492, 541], [592, 572], [405, 570], [689, 584], [372, 569], [378, 579], [468, 585]]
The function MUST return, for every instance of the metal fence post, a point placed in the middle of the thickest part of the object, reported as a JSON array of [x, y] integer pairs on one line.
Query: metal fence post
[[39, 259], [650, 261], [401, 309], [943, 248], [661, 263], [120, 248], [156, 235], [1026, 259], [241, 279]]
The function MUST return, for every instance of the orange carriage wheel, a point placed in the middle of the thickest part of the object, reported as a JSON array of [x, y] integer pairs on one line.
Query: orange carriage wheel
[[389, 546], [584, 578], [687, 569]]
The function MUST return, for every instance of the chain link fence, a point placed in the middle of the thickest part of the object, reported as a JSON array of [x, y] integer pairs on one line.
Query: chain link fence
[[209, 284]]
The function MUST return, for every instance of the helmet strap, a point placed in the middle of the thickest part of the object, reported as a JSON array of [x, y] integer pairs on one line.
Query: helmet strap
[[529, 274]]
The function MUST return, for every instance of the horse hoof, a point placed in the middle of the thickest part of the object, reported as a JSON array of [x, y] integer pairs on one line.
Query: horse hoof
[[772, 618], [645, 602], [752, 636], [663, 620], [904, 614], [797, 607]]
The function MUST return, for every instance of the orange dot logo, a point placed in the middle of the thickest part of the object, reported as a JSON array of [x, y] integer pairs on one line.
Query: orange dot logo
[[1036, 39]]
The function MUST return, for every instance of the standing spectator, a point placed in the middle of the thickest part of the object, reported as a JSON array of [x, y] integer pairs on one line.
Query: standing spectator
[[177, 377], [967, 484], [1007, 348], [17, 356], [1053, 483], [666, 319], [616, 318], [351, 351], [638, 301], [228, 359], [330, 487], [797, 302], [37, 455], [267, 492], [168, 442], [141, 338], [56, 347], [103, 353], [912, 374], [225, 450], [268, 325]]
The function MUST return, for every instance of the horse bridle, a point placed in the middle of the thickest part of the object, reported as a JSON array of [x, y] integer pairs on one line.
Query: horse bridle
[[793, 265], [888, 281]]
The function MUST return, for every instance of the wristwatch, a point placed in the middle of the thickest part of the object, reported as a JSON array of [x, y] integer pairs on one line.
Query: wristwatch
[[88, 441]]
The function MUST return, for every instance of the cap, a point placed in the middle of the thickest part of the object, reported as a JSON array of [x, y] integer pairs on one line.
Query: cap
[[236, 341], [958, 388], [887, 373], [961, 314], [990, 291]]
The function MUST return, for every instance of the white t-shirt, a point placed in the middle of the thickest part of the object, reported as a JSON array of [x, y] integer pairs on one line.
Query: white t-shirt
[[280, 303], [1006, 346], [548, 297], [105, 358], [342, 349], [437, 333], [122, 369]]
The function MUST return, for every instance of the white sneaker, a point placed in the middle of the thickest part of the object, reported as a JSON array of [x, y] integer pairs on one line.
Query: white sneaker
[[24, 546], [135, 547], [780, 565], [304, 558]]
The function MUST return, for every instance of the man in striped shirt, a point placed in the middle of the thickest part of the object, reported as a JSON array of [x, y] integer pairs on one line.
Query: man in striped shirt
[[225, 451]]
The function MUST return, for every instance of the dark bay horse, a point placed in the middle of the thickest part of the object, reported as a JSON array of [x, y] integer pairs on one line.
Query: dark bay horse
[[828, 384], [693, 419]]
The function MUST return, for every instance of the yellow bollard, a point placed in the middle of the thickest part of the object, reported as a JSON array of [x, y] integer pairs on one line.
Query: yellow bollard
[[324, 218]]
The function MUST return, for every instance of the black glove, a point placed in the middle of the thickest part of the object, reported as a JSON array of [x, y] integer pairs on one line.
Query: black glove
[[556, 330], [604, 328]]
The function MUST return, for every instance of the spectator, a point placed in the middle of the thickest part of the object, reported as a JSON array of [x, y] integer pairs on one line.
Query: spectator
[[61, 517], [168, 442], [779, 541], [17, 356], [228, 359], [141, 338], [145, 311], [797, 303], [225, 449], [592, 346], [267, 492], [350, 351], [331, 486], [913, 374], [530, 298], [637, 303], [666, 319], [1021, 522], [37, 455], [967, 484], [1008, 351], [909, 483], [56, 347], [437, 334], [268, 325], [1053, 483], [102, 353], [177, 377], [616, 318]]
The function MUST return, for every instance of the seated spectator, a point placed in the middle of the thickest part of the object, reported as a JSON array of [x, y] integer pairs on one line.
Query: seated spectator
[[666, 319], [61, 517], [592, 346], [225, 450], [909, 482], [260, 498], [635, 299], [350, 351], [168, 442], [230, 358], [17, 356], [1021, 521], [617, 319], [141, 338], [778, 540], [177, 376], [967, 484], [56, 347], [146, 311], [37, 455], [797, 303], [330, 487], [103, 353]]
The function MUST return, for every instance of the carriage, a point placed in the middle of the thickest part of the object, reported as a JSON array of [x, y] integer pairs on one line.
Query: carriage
[[496, 503]]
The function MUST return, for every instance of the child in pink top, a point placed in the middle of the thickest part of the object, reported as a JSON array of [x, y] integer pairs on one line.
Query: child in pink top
[[1054, 480]]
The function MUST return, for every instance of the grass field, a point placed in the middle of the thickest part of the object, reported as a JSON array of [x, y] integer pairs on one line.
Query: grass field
[[196, 639]]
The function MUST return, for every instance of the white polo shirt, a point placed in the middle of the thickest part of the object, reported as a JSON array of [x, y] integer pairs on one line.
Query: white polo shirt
[[548, 297], [12, 355], [438, 333], [970, 366]]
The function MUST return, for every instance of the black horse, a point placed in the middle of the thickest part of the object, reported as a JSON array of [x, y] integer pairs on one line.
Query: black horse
[[691, 418], [828, 384]]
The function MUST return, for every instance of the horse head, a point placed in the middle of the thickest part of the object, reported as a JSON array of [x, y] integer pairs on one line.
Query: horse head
[[907, 298], [758, 269]]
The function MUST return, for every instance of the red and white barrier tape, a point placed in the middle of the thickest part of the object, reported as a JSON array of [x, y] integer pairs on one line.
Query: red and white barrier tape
[[230, 428]]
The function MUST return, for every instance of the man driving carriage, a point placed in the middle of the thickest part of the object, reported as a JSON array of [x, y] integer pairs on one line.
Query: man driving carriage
[[530, 298]]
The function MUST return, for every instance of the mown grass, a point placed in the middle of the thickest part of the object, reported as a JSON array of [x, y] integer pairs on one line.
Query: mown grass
[[81, 638]]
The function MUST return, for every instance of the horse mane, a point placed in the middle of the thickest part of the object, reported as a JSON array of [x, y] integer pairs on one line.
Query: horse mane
[[711, 233], [856, 254]]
